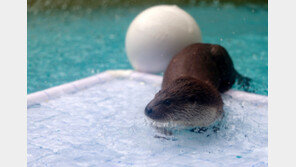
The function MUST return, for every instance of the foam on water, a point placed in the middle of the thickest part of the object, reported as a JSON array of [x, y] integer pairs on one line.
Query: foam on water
[[105, 126]]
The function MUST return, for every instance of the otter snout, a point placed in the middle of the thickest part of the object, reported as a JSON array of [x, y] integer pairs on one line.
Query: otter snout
[[153, 112], [149, 112]]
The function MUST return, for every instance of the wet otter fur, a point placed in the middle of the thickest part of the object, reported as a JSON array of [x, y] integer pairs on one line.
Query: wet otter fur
[[191, 87]]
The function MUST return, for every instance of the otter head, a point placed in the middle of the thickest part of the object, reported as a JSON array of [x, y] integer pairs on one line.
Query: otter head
[[186, 102]]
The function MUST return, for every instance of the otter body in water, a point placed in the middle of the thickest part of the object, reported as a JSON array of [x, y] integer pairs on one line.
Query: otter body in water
[[191, 87]]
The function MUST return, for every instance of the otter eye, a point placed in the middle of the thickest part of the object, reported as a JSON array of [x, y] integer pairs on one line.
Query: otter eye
[[167, 102], [192, 99]]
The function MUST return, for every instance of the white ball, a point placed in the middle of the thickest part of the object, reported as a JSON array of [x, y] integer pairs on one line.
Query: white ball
[[157, 34]]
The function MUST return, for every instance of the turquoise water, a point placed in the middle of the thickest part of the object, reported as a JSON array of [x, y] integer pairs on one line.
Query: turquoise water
[[64, 46]]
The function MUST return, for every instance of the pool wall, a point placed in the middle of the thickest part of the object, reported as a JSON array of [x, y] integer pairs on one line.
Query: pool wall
[[34, 5], [79, 85]]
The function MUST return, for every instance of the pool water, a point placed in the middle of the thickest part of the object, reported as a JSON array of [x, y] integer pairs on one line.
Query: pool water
[[105, 125], [64, 46]]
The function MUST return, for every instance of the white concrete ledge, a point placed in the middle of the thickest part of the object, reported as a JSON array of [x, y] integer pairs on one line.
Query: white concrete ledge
[[72, 87]]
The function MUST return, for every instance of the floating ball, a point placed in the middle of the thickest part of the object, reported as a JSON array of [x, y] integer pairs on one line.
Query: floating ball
[[157, 34]]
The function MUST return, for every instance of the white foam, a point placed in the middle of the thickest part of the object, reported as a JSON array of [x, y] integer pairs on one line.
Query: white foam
[[105, 125]]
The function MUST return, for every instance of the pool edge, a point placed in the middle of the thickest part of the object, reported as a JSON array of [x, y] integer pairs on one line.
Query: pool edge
[[82, 84]]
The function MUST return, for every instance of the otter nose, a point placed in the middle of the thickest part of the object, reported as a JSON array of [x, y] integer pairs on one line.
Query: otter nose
[[148, 111]]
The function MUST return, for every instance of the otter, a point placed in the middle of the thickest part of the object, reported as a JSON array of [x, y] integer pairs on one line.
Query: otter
[[192, 83]]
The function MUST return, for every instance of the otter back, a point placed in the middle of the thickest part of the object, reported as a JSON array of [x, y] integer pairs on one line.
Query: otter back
[[206, 62]]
